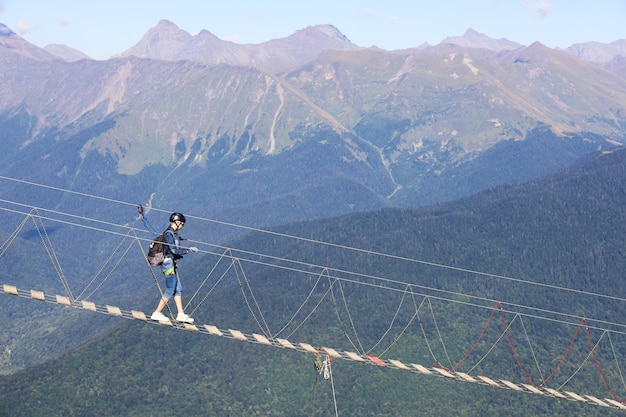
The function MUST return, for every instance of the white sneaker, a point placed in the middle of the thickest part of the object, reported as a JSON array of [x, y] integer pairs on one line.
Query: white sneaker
[[184, 318], [158, 316]]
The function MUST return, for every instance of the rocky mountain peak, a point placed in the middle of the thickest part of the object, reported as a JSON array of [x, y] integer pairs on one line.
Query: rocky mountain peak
[[160, 42], [16, 45], [598, 52], [473, 39], [168, 42], [327, 30], [322, 36], [65, 52], [5, 31]]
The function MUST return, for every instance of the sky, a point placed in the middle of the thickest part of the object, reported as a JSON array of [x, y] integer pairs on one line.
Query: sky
[[102, 29]]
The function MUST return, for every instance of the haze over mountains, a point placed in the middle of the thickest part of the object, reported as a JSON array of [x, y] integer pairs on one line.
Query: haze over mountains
[[167, 41]]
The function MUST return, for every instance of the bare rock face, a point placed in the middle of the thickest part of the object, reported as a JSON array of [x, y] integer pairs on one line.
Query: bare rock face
[[167, 42]]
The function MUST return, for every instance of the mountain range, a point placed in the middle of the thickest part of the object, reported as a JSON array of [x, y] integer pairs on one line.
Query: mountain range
[[308, 125]]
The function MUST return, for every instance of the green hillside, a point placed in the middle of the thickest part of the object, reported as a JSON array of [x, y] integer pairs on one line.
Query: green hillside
[[551, 251]]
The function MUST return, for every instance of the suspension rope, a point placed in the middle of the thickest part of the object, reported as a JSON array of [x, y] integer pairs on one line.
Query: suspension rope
[[452, 294], [423, 330], [593, 348], [47, 243], [206, 278], [106, 263], [393, 320], [338, 315], [495, 343], [397, 337], [617, 365], [582, 364], [334, 245], [517, 359], [543, 314], [480, 336], [212, 288], [313, 310], [6, 244], [352, 325], [443, 345], [264, 327], [299, 309], [146, 223], [328, 371], [532, 350]]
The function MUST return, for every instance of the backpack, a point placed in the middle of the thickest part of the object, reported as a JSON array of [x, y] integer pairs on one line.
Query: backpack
[[155, 251]]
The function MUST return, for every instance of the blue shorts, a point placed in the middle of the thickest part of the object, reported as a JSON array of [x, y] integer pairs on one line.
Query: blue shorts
[[172, 283], [172, 286]]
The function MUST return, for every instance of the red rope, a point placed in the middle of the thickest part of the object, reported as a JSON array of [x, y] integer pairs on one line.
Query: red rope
[[569, 348], [595, 358], [517, 359], [583, 322], [493, 312]]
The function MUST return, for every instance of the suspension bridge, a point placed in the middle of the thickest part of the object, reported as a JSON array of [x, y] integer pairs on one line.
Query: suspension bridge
[[327, 285]]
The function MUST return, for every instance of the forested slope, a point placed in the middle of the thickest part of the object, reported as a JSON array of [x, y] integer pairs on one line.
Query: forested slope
[[554, 245]]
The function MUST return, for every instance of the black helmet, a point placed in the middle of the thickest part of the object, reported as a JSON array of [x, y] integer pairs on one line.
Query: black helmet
[[177, 217]]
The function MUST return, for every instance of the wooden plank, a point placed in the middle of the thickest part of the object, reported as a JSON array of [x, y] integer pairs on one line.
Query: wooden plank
[[308, 348], [114, 311], [138, 315], [376, 360], [511, 385], [554, 393], [596, 401], [37, 295], [63, 300], [443, 372], [399, 364], [532, 389], [286, 343], [465, 377], [421, 369], [10, 289], [190, 326], [89, 305], [615, 403], [165, 323], [488, 381], [575, 396], [262, 339], [332, 352], [355, 356], [213, 330], [238, 335]]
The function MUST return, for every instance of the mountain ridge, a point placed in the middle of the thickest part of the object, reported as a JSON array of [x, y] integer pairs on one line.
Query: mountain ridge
[[474, 39], [167, 41], [593, 51], [419, 114]]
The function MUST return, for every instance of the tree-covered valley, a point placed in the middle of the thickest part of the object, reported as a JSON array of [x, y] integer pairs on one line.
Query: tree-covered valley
[[551, 251]]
